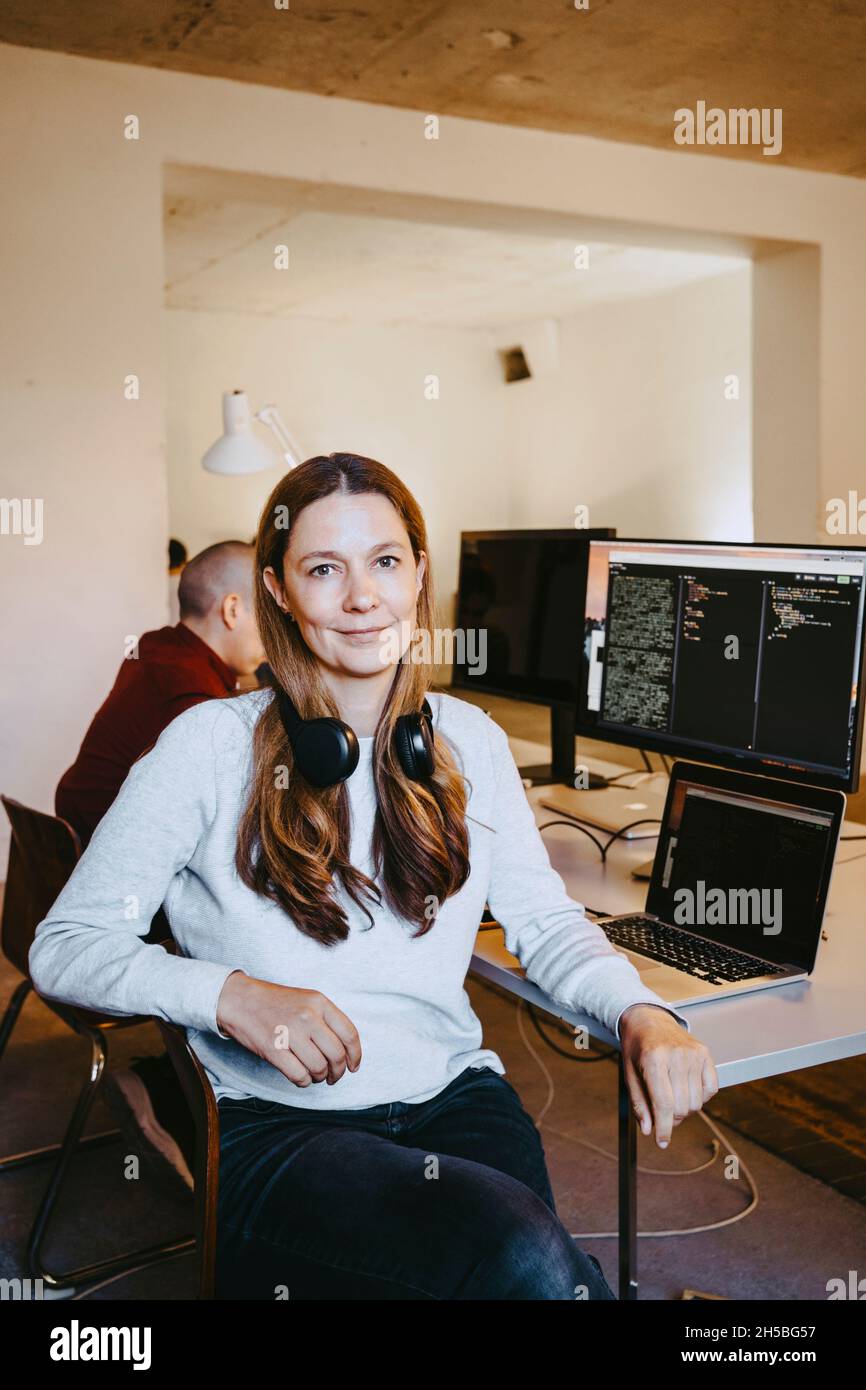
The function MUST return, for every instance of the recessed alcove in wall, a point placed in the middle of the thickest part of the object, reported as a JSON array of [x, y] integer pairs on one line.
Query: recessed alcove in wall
[[673, 365]]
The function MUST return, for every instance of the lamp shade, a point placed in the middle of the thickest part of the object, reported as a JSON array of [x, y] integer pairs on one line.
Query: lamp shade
[[238, 450]]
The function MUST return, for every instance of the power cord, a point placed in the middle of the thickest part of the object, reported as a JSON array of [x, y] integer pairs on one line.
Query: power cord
[[719, 1143], [602, 848], [575, 825]]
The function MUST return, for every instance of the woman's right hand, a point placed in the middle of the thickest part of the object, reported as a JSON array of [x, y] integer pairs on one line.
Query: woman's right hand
[[299, 1031]]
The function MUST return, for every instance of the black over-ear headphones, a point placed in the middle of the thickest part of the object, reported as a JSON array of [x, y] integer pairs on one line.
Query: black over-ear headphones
[[326, 750]]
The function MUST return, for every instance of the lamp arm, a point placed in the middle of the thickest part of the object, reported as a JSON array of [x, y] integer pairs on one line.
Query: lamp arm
[[270, 416]]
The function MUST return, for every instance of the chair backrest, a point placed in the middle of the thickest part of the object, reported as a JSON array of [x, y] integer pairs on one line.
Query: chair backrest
[[42, 854], [205, 1112]]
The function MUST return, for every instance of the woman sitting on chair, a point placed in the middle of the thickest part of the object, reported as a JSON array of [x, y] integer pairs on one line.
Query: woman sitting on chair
[[324, 850]]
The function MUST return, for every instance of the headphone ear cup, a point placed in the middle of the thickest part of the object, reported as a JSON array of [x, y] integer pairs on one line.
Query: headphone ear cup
[[414, 743], [326, 751]]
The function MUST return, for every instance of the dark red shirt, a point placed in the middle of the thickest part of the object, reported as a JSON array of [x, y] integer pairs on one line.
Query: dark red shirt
[[174, 669]]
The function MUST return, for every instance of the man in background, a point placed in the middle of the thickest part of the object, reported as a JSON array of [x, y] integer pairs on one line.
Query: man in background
[[201, 657], [171, 668]]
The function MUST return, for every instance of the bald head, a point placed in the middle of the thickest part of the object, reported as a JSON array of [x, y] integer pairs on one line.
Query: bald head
[[217, 603], [224, 568]]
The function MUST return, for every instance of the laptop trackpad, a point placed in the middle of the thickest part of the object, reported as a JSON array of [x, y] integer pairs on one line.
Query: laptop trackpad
[[641, 963], [654, 973], [668, 983]]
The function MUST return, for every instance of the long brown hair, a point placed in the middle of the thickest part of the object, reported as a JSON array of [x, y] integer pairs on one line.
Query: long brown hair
[[293, 838]]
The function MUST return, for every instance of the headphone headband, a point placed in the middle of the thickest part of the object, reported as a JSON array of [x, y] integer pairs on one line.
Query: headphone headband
[[326, 750], [288, 713]]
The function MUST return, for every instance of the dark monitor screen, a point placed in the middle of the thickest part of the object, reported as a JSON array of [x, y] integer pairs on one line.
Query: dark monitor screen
[[749, 656], [523, 594]]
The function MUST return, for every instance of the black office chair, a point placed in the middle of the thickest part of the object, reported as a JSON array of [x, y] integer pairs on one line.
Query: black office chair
[[42, 855]]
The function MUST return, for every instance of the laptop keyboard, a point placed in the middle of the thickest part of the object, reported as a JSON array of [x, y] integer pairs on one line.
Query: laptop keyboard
[[703, 959]]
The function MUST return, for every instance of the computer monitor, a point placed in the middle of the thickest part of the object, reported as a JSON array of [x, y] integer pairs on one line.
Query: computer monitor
[[746, 656], [526, 590]]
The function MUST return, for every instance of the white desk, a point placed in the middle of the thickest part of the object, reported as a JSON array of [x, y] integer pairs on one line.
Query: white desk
[[750, 1036]]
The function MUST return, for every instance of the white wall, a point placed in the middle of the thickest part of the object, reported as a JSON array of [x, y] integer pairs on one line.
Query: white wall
[[627, 408], [358, 388], [81, 276], [635, 424], [786, 308]]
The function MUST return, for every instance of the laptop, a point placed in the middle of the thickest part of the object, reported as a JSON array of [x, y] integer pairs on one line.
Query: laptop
[[738, 889]]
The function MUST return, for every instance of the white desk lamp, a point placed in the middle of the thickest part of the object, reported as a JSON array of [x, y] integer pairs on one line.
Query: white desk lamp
[[239, 450]]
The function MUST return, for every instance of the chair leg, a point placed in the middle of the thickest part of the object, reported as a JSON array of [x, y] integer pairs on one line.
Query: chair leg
[[13, 1009], [31, 1156], [137, 1259]]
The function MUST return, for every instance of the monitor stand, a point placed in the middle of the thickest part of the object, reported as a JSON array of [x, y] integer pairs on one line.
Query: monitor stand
[[563, 732], [562, 768]]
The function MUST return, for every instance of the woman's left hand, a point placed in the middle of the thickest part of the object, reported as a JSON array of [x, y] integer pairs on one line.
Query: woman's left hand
[[669, 1073]]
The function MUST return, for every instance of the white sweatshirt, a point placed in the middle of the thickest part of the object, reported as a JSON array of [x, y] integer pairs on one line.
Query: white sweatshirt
[[169, 838]]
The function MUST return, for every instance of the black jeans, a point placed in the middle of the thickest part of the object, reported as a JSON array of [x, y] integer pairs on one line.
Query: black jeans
[[446, 1199]]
